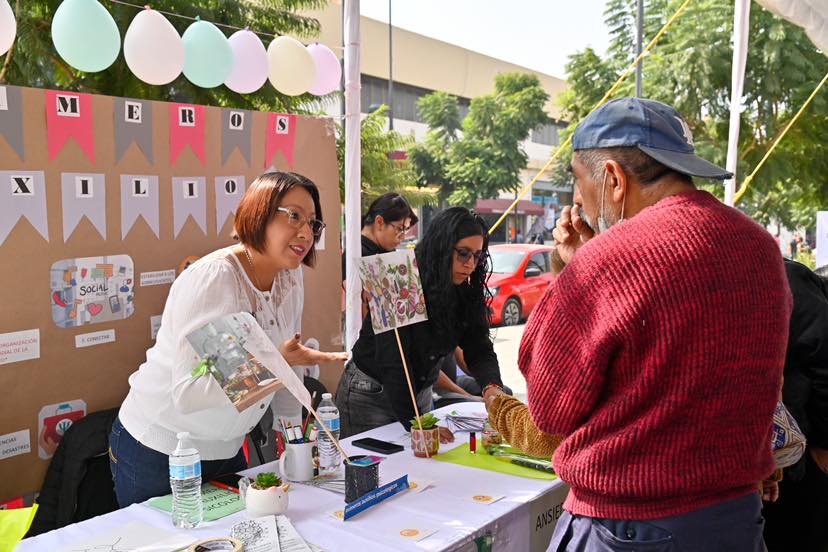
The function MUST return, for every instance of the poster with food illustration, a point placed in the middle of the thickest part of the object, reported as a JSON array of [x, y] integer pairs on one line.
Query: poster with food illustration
[[392, 282], [53, 421], [92, 290]]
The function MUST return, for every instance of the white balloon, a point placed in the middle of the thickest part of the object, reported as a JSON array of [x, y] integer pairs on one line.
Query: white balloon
[[8, 27], [291, 69], [249, 63], [328, 70], [153, 48]]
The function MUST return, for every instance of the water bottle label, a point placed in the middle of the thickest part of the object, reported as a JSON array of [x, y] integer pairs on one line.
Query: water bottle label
[[185, 472], [333, 425]]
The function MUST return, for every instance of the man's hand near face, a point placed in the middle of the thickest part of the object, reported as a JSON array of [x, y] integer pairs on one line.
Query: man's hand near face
[[571, 232]]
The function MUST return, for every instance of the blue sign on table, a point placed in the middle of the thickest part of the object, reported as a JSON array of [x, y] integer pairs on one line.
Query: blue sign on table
[[375, 497]]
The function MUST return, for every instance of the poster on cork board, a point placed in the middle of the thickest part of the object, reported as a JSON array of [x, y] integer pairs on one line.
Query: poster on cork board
[[103, 201]]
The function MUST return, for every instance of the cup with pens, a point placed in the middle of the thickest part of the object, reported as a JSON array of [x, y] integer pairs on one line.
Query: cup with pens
[[300, 459]]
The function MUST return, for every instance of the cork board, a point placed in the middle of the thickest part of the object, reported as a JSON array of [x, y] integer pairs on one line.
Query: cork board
[[92, 370]]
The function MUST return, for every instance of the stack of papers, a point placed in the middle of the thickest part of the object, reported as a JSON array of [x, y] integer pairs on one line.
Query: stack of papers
[[459, 422], [270, 534]]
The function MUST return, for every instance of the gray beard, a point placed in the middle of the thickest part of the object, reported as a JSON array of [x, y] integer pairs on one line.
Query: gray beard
[[589, 222]]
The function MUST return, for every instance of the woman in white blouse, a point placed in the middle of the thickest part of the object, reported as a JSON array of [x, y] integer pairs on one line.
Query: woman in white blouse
[[277, 224]]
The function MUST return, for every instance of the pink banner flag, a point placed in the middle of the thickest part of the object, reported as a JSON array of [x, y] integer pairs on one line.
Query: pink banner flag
[[186, 129], [281, 136], [69, 115]]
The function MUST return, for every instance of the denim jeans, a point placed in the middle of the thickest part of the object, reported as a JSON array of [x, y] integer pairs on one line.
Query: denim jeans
[[363, 406], [140, 472], [732, 526]]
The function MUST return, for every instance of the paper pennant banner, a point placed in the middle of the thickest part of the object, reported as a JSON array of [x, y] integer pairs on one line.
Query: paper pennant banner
[[139, 197], [23, 194], [11, 118], [392, 282], [133, 123], [229, 191], [84, 194], [281, 136], [236, 128], [189, 199], [69, 115], [186, 129]]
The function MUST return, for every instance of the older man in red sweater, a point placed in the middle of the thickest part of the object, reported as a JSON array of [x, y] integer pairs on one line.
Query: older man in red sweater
[[658, 351]]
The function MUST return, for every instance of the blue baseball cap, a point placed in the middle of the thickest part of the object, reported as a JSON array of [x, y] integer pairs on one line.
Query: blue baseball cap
[[653, 127]]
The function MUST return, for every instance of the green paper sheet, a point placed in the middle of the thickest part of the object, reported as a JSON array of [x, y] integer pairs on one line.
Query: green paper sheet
[[218, 503], [483, 461], [14, 524]]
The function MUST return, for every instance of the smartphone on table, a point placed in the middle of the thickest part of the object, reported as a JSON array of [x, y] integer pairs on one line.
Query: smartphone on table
[[375, 445]]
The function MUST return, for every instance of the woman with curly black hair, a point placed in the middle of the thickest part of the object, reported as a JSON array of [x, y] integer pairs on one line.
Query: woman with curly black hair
[[454, 263]]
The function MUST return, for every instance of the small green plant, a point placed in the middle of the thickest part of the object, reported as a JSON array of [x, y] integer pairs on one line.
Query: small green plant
[[266, 480], [426, 421]]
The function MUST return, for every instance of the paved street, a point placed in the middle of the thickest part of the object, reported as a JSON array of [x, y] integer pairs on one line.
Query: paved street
[[506, 342]]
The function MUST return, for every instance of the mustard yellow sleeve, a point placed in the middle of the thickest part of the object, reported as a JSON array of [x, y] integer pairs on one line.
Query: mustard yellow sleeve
[[511, 418]]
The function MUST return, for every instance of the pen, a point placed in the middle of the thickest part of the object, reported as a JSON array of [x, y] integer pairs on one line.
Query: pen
[[307, 418]]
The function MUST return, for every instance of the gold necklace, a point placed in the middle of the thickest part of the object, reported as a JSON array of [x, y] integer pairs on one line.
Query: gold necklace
[[253, 269]]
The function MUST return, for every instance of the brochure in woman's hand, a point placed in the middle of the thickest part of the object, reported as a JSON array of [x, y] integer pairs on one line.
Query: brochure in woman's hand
[[236, 352]]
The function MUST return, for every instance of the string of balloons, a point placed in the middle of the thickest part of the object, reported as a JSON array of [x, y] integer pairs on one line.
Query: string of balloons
[[86, 38]]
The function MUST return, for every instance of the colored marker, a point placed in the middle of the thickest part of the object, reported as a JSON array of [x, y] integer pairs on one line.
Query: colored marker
[[473, 442]]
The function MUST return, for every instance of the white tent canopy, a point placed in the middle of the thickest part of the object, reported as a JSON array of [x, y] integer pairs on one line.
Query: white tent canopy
[[812, 15]]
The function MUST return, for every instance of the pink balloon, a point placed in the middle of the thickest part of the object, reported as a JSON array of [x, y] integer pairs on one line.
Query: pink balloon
[[328, 70], [249, 63]]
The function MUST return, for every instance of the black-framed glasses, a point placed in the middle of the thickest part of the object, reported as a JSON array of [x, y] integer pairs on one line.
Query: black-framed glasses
[[401, 230], [298, 220], [464, 254]]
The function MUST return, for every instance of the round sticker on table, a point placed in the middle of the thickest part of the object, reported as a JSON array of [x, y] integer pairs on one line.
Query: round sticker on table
[[409, 532], [482, 498]]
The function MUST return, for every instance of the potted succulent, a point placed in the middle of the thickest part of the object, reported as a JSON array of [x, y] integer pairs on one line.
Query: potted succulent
[[425, 435], [264, 496]]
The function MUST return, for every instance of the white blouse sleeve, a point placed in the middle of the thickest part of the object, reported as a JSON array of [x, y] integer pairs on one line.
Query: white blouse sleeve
[[201, 294]]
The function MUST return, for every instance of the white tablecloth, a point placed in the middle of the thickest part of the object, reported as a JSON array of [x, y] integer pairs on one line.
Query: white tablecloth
[[522, 520]]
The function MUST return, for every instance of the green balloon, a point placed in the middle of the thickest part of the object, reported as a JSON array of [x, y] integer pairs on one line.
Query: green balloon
[[85, 35], [208, 58]]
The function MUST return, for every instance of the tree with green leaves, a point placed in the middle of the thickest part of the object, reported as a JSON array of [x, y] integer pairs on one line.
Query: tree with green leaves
[[382, 171], [33, 60], [488, 156], [690, 68]]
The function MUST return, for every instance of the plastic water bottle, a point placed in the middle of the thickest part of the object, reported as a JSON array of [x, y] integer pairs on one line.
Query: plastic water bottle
[[329, 457], [185, 480]]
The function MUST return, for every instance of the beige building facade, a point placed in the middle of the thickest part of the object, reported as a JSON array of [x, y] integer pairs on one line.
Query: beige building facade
[[422, 65]]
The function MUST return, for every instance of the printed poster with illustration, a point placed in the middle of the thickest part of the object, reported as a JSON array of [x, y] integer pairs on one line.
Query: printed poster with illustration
[[91, 290], [246, 364], [53, 421], [392, 282]]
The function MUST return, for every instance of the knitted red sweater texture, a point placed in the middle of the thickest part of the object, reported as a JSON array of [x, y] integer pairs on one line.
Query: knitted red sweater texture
[[658, 354]]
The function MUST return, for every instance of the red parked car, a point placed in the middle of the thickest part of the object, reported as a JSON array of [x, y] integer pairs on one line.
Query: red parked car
[[520, 275]]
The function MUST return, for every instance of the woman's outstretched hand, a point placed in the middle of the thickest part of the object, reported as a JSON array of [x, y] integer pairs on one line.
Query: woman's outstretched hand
[[297, 354]]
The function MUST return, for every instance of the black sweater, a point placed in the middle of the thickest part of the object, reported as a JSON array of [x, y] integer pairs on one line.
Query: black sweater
[[805, 391]]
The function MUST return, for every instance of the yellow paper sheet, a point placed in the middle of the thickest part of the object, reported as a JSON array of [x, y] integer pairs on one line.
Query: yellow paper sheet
[[13, 526]]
